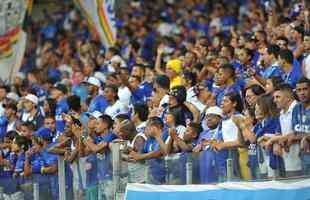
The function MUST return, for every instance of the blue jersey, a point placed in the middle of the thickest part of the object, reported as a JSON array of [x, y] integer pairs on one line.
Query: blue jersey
[[99, 103], [12, 158], [36, 162], [80, 91], [156, 165], [61, 107], [104, 159], [212, 165], [40, 93], [272, 71], [220, 92], [294, 75], [268, 126], [3, 126], [138, 96], [301, 119], [19, 165], [148, 88]]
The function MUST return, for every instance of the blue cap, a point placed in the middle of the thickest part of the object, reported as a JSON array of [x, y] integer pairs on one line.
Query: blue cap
[[44, 133]]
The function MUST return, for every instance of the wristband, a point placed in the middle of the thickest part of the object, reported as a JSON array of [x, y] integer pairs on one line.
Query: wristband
[[42, 170]]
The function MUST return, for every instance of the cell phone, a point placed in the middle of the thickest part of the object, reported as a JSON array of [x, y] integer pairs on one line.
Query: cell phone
[[76, 121]]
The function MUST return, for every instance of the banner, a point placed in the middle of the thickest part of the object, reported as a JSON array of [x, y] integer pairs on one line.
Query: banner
[[12, 37], [228, 191], [101, 18]]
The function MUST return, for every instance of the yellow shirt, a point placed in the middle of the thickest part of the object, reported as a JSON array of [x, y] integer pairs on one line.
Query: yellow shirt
[[176, 82]]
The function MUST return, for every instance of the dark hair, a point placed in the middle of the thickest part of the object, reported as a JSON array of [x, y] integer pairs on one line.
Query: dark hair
[[29, 125], [267, 105], [122, 117], [5, 87], [52, 105], [249, 52], [256, 89], [114, 89], [74, 103], [286, 55], [155, 121], [129, 128], [50, 117], [196, 127], [276, 81], [22, 142], [11, 135], [273, 49], [230, 68], [285, 87], [163, 81], [114, 50], [142, 111], [283, 38], [300, 29], [138, 78], [178, 115], [230, 49], [107, 119], [141, 66], [235, 98], [304, 80], [188, 75], [11, 105]]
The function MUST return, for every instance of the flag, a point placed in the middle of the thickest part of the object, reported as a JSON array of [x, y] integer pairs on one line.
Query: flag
[[12, 37], [101, 19]]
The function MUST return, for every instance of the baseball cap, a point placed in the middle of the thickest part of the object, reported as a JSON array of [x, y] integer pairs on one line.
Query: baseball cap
[[61, 87], [96, 114], [175, 64], [215, 110], [93, 81], [44, 133], [33, 98]]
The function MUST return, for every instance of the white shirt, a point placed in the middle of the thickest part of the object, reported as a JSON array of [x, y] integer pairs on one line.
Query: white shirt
[[306, 64], [230, 130], [124, 95], [291, 159], [11, 126], [164, 100], [115, 109], [141, 127], [180, 130], [190, 94], [1, 109]]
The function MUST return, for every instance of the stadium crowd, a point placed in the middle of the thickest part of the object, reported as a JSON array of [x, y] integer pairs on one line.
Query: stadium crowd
[[226, 79]]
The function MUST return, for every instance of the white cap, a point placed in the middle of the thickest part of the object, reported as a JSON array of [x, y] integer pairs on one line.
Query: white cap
[[118, 59], [100, 76], [13, 96], [93, 81], [215, 110], [96, 114], [33, 98]]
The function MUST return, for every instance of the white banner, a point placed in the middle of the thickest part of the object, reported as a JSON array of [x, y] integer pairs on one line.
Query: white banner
[[229, 191]]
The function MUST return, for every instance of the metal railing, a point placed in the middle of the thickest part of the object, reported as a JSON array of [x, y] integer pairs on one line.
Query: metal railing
[[104, 176]]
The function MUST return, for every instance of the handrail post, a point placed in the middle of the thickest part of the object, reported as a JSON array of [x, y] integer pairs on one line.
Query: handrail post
[[116, 167], [61, 178], [36, 194], [189, 170]]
